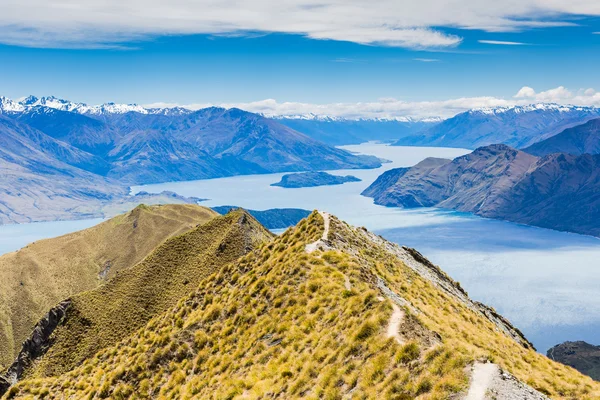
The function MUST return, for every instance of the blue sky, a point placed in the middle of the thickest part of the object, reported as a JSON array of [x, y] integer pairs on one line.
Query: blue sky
[[233, 68]]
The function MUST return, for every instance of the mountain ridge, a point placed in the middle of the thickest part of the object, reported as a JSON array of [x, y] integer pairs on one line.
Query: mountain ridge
[[578, 140], [558, 191], [516, 126], [323, 310]]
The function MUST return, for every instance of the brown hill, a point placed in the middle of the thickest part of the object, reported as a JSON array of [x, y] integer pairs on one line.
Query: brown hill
[[35, 278]]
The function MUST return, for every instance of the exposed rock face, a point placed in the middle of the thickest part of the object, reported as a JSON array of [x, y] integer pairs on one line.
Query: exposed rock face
[[582, 356], [503, 183], [312, 179], [578, 140], [34, 346]]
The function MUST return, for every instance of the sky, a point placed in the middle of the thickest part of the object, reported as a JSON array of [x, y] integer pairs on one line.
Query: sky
[[337, 57]]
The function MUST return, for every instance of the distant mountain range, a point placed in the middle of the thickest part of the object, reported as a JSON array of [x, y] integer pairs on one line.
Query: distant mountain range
[[341, 131], [65, 153], [518, 126], [136, 145], [558, 191]]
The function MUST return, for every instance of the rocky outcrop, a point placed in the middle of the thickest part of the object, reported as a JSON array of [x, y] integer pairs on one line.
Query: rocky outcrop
[[34, 346], [558, 191]]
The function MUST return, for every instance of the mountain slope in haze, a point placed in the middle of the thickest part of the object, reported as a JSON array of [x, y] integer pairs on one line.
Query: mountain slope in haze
[[578, 140], [103, 316], [582, 356], [141, 146], [35, 278], [323, 311], [340, 131], [37, 186], [217, 142], [518, 126], [559, 191], [65, 160], [83, 132], [31, 148]]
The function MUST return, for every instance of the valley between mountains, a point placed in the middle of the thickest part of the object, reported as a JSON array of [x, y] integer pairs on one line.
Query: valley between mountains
[[227, 310]]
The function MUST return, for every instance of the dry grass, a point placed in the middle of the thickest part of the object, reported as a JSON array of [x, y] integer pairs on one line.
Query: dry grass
[[37, 277], [109, 313], [280, 323]]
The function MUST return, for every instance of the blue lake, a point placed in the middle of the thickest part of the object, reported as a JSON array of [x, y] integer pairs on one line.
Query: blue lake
[[546, 282]]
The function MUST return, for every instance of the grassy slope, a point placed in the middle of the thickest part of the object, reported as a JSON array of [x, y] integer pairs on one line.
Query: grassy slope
[[109, 313], [280, 323], [35, 278]]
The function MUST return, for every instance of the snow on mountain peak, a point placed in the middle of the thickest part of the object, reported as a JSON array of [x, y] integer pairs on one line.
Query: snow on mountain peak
[[30, 102], [8, 106], [529, 108]]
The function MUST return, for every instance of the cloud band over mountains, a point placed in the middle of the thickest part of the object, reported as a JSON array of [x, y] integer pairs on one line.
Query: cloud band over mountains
[[393, 108], [415, 24]]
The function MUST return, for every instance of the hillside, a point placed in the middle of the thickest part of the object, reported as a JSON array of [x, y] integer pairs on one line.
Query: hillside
[[273, 218], [65, 160], [36, 185], [216, 142], [557, 192], [102, 317], [578, 140], [582, 356], [35, 278], [323, 311], [518, 126], [85, 133], [313, 179]]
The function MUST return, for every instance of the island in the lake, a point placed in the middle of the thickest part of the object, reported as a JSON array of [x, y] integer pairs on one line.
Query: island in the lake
[[312, 179]]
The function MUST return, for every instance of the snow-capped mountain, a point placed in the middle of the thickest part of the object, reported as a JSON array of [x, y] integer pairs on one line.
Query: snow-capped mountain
[[328, 118], [516, 126], [31, 102], [339, 131], [10, 106], [538, 107]]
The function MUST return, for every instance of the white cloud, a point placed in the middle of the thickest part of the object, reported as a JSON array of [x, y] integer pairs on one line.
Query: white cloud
[[525, 92], [410, 23], [427, 60], [393, 108], [560, 95], [502, 42]]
